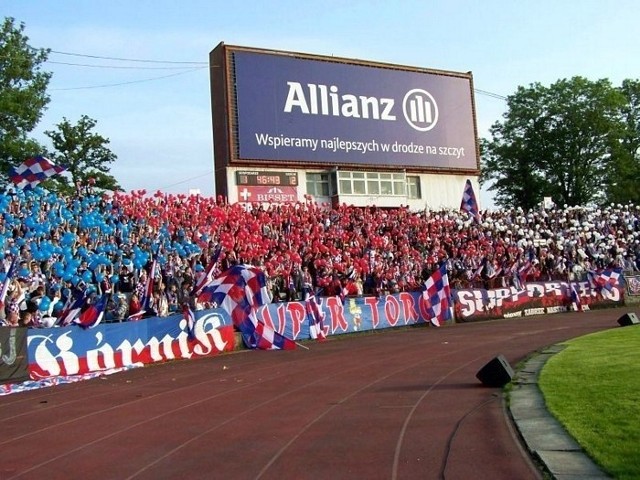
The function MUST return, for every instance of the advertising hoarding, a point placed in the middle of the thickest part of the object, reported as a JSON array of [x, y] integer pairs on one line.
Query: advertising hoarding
[[318, 111]]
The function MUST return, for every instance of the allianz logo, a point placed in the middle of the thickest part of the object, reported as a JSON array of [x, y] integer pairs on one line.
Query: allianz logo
[[419, 108]]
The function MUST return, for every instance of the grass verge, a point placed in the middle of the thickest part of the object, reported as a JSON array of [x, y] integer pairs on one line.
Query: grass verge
[[593, 388]]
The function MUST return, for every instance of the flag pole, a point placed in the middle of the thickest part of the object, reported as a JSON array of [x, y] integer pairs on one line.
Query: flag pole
[[303, 346]]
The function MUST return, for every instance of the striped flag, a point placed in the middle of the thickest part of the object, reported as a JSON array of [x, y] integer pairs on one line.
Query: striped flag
[[256, 334], [523, 271], [607, 278], [344, 292], [93, 315], [208, 275], [469, 203], [71, 309], [146, 293], [437, 294], [240, 291], [190, 317], [33, 171], [496, 272], [7, 280], [136, 316], [575, 296], [476, 274], [315, 318]]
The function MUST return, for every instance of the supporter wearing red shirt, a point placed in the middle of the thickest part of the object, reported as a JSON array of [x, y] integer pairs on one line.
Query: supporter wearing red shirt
[[134, 304]]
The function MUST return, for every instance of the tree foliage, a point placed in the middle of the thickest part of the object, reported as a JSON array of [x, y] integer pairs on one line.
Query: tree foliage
[[569, 141], [624, 173], [23, 95], [84, 153]]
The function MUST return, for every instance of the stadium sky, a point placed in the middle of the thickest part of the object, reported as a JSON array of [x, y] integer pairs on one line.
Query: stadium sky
[[157, 114]]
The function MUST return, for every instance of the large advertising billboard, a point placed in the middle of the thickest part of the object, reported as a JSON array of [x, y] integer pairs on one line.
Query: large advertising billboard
[[318, 111]]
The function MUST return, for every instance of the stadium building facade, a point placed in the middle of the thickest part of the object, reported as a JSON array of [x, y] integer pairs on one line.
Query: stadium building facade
[[291, 127]]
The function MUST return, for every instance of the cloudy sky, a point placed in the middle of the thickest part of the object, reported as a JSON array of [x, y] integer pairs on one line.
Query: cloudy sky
[[157, 112]]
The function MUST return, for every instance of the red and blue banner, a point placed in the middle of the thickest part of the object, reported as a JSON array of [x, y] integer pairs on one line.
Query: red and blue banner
[[72, 350], [535, 298], [356, 314], [77, 351]]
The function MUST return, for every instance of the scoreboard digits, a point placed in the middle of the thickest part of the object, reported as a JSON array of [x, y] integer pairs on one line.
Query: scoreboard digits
[[281, 179]]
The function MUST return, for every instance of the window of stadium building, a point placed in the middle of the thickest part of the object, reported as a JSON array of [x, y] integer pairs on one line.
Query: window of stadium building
[[413, 187], [318, 184], [372, 183]]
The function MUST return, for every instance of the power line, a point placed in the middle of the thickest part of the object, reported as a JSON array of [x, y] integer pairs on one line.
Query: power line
[[126, 83], [120, 59], [119, 66], [210, 172], [490, 94]]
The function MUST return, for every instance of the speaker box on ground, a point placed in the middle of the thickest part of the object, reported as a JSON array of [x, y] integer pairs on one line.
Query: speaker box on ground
[[628, 319], [496, 373]]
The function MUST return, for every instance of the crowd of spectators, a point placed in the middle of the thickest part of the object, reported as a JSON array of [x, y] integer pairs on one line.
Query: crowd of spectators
[[107, 244]]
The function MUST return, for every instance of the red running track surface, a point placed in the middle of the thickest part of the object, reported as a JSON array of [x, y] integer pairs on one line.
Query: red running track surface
[[401, 404]]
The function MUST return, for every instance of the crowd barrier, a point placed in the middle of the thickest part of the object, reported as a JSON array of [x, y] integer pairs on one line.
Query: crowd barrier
[[40, 353]]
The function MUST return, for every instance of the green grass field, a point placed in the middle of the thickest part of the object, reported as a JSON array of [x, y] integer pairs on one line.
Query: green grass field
[[593, 388]]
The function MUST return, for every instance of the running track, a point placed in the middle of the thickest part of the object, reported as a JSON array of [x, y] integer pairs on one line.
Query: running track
[[402, 404]]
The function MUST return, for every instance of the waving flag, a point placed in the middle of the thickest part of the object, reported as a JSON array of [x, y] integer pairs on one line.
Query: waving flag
[[93, 315], [208, 275], [437, 294], [71, 308], [575, 297], [606, 279], [495, 272], [33, 171], [256, 334], [145, 294], [5, 286], [523, 271], [191, 320], [344, 292], [136, 316], [240, 291], [315, 318], [469, 203]]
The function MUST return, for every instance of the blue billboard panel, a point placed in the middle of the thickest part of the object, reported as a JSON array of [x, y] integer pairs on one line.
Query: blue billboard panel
[[308, 110]]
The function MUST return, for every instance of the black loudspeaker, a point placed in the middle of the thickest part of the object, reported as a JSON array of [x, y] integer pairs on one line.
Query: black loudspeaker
[[496, 373], [628, 319]]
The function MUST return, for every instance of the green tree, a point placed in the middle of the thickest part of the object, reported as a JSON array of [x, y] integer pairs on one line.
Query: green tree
[[624, 172], [512, 171], [555, 141], [84, 153], [23, 95]]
